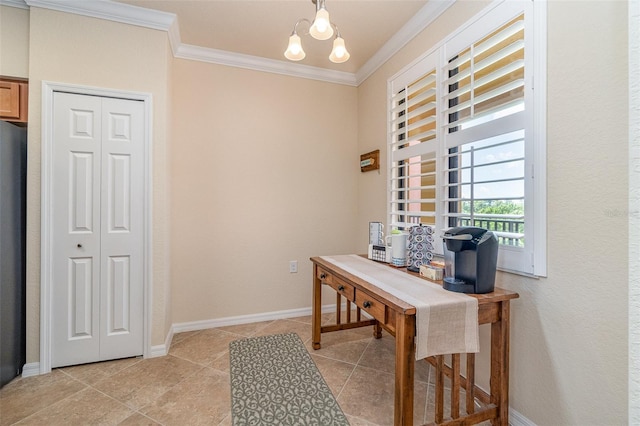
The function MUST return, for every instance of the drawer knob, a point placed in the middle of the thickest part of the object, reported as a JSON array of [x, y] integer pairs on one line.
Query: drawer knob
[[341, 288], [323, 276], [366, 304]]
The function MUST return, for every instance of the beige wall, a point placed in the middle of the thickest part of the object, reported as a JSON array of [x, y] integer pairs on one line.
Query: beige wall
[[14, 42], [569, 330], [263, 171], [73, 49]]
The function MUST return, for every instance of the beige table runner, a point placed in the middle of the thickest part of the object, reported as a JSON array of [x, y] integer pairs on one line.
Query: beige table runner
[[446, 322]]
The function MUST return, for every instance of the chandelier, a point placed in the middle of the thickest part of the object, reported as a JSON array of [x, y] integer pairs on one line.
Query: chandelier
[[321, 29]]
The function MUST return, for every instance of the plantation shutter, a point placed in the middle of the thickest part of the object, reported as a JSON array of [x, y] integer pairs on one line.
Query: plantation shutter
[[462, 150], [484, 134], [484, 80], [413, 146]]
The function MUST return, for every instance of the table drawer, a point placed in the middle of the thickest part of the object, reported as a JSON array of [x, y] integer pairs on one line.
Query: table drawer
[[371, 306], [342, 287]]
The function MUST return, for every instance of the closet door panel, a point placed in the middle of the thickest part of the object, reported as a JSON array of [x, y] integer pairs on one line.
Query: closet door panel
[[76, 248], [122, 232]]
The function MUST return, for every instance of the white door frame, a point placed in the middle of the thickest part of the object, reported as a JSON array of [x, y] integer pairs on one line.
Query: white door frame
[[46, 248]]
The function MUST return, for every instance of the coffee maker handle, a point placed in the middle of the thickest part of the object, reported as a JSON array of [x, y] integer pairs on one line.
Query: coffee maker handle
[[463, 237]]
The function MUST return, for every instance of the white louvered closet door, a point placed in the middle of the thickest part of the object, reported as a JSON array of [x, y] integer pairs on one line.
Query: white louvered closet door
[[97, 282]]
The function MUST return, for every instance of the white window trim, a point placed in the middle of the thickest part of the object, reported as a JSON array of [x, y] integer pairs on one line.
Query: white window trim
[[536, 193], [539, 215]]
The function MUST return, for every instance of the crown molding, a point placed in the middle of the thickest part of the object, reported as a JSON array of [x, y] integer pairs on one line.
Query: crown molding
[[420, 21], [148, 18], [112, 11], [20, 4], [174, 36], [223, 57]]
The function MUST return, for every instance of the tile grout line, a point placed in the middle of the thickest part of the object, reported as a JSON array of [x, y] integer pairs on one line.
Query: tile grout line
[[138, 409], [55, 403], [133, 410], [354, 367]]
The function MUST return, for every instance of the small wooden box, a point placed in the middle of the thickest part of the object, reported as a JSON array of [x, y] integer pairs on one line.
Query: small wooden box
[[431, 272]]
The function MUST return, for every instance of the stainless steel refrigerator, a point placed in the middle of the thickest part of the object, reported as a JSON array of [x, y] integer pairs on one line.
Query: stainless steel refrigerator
[[13, 168]]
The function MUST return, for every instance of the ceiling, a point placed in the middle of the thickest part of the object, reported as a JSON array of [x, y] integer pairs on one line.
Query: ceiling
[[261, 28]]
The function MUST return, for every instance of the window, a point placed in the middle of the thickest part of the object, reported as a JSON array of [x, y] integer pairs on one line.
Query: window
[[467, 139]]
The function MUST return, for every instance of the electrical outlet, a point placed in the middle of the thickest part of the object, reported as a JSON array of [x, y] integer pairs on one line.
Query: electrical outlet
[[293, 266]]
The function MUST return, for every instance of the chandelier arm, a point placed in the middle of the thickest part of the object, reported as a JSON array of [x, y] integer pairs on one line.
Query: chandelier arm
[[295, 27], [335, 27]]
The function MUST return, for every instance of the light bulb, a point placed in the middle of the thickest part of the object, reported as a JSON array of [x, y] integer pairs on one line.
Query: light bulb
[[294, 51], [321, 27], [339, 53]]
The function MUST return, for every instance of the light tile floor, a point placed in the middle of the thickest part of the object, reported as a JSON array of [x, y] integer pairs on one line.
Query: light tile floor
[[190, 386]]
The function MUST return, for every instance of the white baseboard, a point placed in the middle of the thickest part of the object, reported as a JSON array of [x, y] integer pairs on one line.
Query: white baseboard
[[31, 369], [162, 350], [245, 319], [517, 419]]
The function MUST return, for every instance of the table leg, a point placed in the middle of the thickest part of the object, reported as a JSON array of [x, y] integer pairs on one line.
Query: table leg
[[455, 386], [471, 383], [405, 367], [499, 381], [439, 396], [316, 316], [377, 330]]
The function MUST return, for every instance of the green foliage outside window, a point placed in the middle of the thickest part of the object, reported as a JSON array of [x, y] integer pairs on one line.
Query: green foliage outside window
[[487, 215]]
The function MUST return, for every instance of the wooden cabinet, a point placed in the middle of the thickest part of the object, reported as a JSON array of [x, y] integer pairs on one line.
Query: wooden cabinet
[[14, 99]]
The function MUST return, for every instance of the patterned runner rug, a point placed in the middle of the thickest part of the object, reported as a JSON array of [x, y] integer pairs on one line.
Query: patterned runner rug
[[274, 381]]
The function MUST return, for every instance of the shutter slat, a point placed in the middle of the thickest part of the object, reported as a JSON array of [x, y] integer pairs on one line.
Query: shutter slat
[[513, 48], [423, 109], [515, 84], [494, 76], [419, 99], [430, 78], [418, 124], [499, 37]]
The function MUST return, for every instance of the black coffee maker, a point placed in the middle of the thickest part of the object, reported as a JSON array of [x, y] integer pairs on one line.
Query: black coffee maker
[[470, 257]]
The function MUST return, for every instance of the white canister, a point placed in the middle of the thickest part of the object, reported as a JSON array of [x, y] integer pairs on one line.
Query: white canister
[[398, 249]]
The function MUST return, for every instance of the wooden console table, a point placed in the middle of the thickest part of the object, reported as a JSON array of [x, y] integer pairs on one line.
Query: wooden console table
[[399, 319]]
